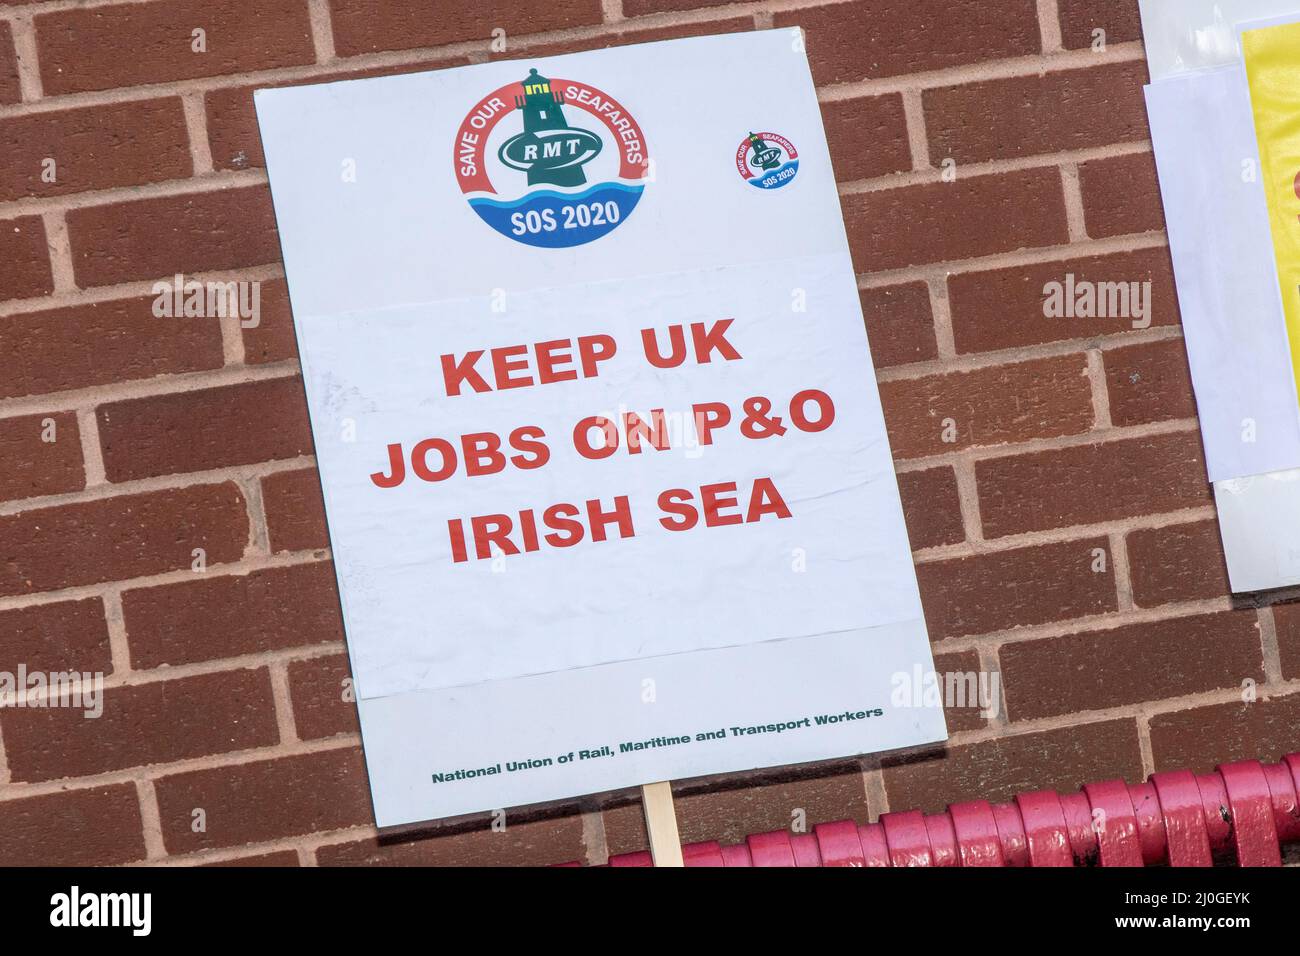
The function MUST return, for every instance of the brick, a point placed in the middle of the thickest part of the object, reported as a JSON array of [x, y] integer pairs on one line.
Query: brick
[[1000, 590], [940, 222], [68, 635], [277, 858], [867, 136], [869, 39], [1149, 383], [216, 616], [637, 8], [295, 512], [1091, 483], [728, 815], [93, 827], [1029, 115], [1078, 18], [112, 539], [157, 238], [744, 805], [1182, 562], [97, 147], [1121, 196], [931, 507], [530, 843], [996, 770], [625, 830], [24, 259], [606, 40], [273, 338], [1004, 308], [963, 714], [144, 724], [362, 27], [1201, 738], [102, 343], [1130, 664], [900, 326], [233, 134], [204, 429], [265, 800], [138, 43], [987, 406], [10, 88], [317, 688], [1286, 619], [34, 466]]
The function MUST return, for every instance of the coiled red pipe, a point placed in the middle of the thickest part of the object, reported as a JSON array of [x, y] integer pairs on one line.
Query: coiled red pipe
[[1242, 812]]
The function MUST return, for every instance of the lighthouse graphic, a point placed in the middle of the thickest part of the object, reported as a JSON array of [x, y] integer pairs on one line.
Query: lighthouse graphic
[[765, 156], [549, 150]]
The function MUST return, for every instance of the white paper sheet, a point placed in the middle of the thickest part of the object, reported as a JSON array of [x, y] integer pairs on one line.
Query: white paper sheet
[[1185, 36], [1258, 513], [1219, 238], [556, 653]]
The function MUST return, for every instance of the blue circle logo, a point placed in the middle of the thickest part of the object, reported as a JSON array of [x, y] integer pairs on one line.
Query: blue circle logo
[[547, 198]]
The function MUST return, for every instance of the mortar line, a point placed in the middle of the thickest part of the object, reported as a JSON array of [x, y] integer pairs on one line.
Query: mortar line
[[241, 568], [196, 127], [1049, 26], [1271, 651], [595, 841], [1006, 68], [322, 31], [92, 453], [128, 290], [59, 250], [873, 787], [29, 70], [941, 315], [998, 166], [155, 772], [1100, 389], [1075, 215], [1136, 242], [991, 663], [150, 819], [1120, 568], [4, 763], [1052, 536], [917, 141], [968, 500], [118, 641], [283, 701], [1145, 748]]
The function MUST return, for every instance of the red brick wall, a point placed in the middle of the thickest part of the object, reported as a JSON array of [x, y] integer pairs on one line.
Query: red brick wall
[[1074, 438]]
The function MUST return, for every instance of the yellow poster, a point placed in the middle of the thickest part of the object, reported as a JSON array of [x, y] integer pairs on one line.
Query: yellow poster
[[1273, 69]]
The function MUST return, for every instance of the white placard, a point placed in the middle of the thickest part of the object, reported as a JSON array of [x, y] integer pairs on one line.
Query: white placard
[[1236, 337], [1222, 252], [481, 259]]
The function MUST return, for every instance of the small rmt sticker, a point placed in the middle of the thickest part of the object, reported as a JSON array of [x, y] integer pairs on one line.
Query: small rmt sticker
[[767, 160]]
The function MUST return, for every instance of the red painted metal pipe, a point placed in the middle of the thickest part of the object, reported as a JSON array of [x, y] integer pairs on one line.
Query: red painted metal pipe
[[1242, 813]]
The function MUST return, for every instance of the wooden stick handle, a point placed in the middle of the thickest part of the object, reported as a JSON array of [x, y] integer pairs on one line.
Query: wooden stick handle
[[661, 824]]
